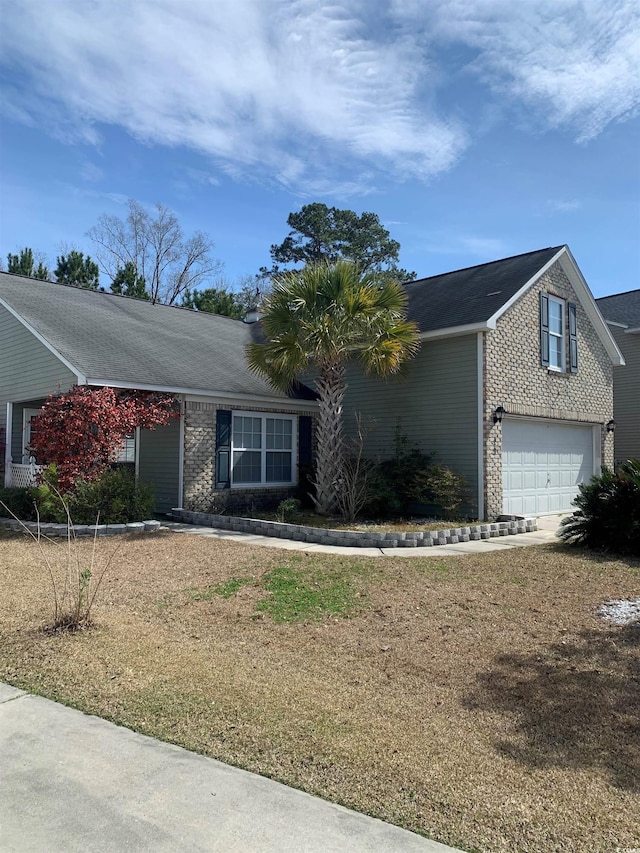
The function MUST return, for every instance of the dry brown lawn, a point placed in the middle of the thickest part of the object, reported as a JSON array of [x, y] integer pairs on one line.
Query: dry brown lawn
[[476, 699]]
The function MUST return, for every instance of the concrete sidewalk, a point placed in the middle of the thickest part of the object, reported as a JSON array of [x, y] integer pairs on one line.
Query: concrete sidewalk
[[546, 532], [72, 782]]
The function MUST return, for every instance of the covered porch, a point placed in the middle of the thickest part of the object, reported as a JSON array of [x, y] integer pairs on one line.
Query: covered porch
[[155, 455], [20, 468]]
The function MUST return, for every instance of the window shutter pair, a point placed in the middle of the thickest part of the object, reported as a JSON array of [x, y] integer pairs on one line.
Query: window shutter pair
[[223, 445], [544, 333]]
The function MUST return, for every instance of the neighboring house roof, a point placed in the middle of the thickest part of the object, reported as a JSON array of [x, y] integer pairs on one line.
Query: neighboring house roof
[[473, 299], [114, 340], [622, 308]]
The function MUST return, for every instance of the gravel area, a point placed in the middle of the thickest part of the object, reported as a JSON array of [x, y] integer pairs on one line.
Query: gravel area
[[621, 612]]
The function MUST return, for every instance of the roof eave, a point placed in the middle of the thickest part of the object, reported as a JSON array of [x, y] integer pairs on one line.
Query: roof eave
[[456, 331], [203, 392]]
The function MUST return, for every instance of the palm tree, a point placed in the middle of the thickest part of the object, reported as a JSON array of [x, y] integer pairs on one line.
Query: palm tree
[[316, 320]]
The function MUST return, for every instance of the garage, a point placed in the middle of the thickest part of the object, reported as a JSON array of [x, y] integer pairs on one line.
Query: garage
[[543, 462]]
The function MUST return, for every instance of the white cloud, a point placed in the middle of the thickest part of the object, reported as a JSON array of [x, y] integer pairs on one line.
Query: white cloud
[[90, 173], [574, 61], [317, 96], [467, 245], [282, 88], [564, 205]]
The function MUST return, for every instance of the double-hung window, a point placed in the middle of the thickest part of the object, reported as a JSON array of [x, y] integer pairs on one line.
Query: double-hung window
[[556, 334], [263, 449], [126, 452], [558, 325]]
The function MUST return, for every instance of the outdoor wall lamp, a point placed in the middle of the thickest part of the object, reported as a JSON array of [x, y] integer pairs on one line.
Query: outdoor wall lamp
[[611, 426], [498, 415]]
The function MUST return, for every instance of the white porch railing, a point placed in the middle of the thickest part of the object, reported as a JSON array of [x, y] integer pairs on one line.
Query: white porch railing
[[22, 476]]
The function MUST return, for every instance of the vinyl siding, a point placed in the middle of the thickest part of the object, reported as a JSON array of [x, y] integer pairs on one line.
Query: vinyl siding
[[28, 371], [435, 405], [159, 461], [626, 396]]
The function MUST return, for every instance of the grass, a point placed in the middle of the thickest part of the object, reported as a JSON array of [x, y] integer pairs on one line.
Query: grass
[[478, 700], [296, 595]]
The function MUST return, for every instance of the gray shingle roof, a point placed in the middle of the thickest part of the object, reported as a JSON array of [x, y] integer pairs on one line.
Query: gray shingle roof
[[120, 339], [114, 338], [474, 294], [621, 308]]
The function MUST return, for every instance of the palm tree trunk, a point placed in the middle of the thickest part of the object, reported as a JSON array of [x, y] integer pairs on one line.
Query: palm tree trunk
[[331, 387]]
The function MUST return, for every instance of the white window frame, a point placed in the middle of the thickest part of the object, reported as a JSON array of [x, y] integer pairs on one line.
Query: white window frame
[[126, 453], [561, 368], [121, 456], [263, 450], [27, 414]]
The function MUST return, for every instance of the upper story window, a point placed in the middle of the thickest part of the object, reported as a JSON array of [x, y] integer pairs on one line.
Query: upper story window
[[558, 334]]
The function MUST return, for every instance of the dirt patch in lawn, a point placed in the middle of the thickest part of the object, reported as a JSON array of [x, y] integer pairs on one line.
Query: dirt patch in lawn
[[478, 699]]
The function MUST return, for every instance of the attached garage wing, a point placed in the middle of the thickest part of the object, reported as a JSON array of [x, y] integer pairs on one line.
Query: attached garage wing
[[543, 463]]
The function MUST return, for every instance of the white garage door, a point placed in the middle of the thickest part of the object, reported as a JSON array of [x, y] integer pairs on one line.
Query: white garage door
[[542, 465]]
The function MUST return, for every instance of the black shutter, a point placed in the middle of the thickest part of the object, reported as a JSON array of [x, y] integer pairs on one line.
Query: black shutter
[[305, 440], [544, 329], [573, 337], [223, 449]]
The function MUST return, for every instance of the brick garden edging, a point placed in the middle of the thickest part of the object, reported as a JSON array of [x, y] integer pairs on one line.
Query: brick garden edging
[[60, 530], [357, 538]]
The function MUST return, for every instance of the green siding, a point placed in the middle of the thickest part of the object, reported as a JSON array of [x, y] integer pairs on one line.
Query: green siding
[[435, 406], [626, 396], [159, 463], [28, 371]]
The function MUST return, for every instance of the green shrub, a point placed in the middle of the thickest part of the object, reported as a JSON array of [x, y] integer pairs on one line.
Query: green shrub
[[18, 502], [288, 509], [445, 488], [410, 478], [382, 500], [115, 496], [51, 505], [608, 512]]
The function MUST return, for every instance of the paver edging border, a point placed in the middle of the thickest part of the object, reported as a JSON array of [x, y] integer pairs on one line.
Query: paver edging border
[[357, 538], [51, 529]]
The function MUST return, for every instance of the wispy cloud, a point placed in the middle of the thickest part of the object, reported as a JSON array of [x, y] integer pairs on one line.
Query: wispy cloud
[[280, 88], [90, 173], [465, 245], [574, 61], [310, 95], [563, 205]]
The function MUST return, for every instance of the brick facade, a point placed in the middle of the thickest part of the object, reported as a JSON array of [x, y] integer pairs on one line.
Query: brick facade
[[200, 461], [515, 379]]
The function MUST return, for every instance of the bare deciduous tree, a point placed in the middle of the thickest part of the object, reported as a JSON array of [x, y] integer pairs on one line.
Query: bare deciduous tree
[[169, 262], [352, 488]]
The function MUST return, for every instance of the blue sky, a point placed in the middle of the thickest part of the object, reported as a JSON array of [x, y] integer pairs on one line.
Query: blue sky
[[475, 129]]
